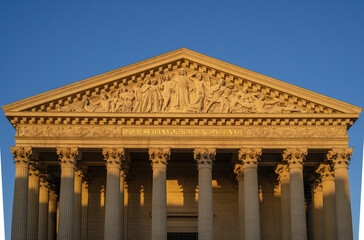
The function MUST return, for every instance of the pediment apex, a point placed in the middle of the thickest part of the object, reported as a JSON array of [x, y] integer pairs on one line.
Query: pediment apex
[[185, 58]]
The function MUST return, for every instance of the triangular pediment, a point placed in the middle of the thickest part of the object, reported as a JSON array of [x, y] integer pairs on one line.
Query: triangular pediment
[[181, 81]]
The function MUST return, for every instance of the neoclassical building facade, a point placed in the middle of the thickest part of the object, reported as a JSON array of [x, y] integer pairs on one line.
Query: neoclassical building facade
[[181, 146]]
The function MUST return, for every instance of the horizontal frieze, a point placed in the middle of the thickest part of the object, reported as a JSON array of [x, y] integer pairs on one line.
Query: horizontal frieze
[[106, 131]]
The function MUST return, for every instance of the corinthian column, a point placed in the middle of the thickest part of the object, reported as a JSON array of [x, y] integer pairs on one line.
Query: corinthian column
[[84, 200], [340, 159], [52, 214], [67, 157], [77, 204], [43, 209], [122, 183], [239, 171], [295, 158], [33, 201], [21, 157], [204, 158], [113, 157], [249, 158], [283, 178], [159, 158], [328, 189], [317, 212]]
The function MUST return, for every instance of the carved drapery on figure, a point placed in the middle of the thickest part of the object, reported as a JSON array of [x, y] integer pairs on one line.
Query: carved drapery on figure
[[183, 90]]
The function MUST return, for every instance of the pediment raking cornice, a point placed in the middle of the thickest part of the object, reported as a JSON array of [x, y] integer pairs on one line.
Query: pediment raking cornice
[[171, 61]]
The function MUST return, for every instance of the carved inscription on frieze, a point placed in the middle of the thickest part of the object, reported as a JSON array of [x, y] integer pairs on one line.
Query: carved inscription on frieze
[[183, 90], [69, 131]]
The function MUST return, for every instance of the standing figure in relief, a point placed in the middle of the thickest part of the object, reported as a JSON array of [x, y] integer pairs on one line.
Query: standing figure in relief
[[167, 88], [146, 96], [155, 95], [197, 102], [127, 99], [150, 99], [217, 91], [138, 95], [116, 102], [180, 97]]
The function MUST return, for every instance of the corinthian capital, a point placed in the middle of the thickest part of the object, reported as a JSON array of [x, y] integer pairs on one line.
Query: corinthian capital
[[159, 156], [325, 172], [282, 171], [340, 157], [239, 171], [21, 155], [250, 157], [113, 156], [295, 157], [67, 156], [204, 156]]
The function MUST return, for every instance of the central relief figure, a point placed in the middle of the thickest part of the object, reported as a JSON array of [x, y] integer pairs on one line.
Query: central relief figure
[[180, 98]]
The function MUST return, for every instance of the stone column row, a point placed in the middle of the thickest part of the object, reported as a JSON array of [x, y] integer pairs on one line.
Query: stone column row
[[28, 223]]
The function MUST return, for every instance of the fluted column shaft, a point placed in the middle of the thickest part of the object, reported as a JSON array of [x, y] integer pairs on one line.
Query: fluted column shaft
[[340, 158], [283, 177], [20, 203], [159, 158], [84, 210], [249, 159], [239, 171], [318, 212], [33, 202], [329, 202], [295, 158], [52, 215], [113, 157], [67, 157], [43, 210], [204, 158], [77, 205], [122, 178]]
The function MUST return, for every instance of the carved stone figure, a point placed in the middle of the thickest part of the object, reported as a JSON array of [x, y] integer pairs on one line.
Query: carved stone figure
[[182, 91], [180, 97], [167, 88], [197, 100]]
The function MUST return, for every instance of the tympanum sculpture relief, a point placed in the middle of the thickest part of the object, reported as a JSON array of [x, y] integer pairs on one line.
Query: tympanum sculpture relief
[[184, 91]]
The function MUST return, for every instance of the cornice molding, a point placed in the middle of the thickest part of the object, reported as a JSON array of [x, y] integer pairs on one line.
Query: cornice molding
[[169, 60]]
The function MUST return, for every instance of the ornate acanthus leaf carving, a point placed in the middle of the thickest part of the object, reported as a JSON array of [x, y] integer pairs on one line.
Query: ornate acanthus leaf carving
[[239, 171], [295, 157], [184, 90], [204, 156], [159, 156], [114, 157], [67, 156], [325, 172], [282, 171], [250, 157], [21, 155], [340, 157]]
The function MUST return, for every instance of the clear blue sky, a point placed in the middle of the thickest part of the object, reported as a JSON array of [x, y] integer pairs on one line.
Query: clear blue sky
[[317, 45]]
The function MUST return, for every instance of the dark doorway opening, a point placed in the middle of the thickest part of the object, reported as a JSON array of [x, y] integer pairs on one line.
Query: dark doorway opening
[[182, 236]]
